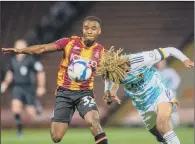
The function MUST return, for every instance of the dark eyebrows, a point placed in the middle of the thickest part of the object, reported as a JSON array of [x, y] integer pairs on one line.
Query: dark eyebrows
[[94, 27]]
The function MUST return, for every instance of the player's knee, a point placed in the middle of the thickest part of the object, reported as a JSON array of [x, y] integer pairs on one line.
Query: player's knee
[[16, 106], [31, 112], [56, 137], [16, 110]]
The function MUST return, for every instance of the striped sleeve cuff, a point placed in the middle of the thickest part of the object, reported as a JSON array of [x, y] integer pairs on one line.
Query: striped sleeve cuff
[[162, 53]]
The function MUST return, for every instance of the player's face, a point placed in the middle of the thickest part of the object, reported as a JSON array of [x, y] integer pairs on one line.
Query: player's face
[[91, 30], [20, 44]]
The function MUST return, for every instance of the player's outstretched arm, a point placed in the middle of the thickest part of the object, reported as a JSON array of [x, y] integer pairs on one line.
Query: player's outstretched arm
[[35, 49], [171, 51]]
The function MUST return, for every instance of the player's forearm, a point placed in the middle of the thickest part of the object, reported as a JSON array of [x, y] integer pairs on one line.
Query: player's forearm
[[8, 79], [114, 88], [108, 85], [171, 51], [38, 49], [41, 79]]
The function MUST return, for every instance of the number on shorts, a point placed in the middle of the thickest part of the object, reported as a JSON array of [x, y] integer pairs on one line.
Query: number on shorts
[[88, 100]]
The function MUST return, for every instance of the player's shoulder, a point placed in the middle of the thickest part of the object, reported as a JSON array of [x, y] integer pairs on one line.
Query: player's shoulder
[[75, 38], [100, 46], [136, 55], [68, 38]]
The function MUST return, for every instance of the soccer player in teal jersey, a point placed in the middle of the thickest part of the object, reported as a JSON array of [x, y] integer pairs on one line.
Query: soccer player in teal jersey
[[150, 96]]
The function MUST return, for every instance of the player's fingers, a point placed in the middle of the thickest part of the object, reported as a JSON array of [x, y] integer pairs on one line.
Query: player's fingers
[[188, 66], [118, 101], [4, 49], [6, 52], [105, 97], [192, 63]]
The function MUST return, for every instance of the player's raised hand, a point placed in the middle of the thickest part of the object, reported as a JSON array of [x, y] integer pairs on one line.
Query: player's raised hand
[[109, 97], [40, 91], [3, 87], [10, 50], [188, 63]]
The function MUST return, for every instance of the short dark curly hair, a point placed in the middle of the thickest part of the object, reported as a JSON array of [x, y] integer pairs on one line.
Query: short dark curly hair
[[92, 18]]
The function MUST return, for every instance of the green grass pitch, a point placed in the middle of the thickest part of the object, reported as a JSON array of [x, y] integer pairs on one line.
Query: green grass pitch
[[83, 136]]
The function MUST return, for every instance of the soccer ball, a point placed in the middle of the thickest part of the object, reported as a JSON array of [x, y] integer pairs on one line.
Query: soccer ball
[[79, 70]]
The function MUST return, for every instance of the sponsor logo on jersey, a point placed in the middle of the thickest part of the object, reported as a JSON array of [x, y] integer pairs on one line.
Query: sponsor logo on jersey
[[74, 57]]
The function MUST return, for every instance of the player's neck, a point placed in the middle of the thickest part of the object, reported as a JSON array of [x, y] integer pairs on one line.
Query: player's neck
[[20, 57]]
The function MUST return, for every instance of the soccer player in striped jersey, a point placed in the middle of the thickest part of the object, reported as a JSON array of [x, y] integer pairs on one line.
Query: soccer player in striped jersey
[[71, 95], [150, 96]]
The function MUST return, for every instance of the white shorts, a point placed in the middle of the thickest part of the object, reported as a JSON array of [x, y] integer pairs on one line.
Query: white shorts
[[149, 116]]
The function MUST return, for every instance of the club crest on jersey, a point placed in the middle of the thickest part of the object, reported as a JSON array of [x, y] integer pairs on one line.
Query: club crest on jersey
[[97, 55], [141, 75]]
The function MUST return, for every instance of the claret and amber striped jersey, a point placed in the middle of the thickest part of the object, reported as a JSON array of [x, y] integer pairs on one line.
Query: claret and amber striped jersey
[[75, 49]]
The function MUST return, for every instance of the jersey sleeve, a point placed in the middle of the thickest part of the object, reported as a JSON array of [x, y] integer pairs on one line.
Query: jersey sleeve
[[61, 43], [147, 58]]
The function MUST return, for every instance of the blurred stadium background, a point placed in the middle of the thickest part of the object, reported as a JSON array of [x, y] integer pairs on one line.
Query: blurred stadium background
[[134, 26]]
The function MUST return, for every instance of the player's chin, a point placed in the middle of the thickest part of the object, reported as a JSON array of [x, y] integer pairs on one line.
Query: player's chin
[[90, 39]]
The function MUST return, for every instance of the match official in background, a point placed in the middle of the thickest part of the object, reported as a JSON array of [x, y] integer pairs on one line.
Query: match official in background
[[28, 79]]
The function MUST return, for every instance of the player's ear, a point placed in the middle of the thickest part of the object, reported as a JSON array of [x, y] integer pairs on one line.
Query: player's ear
[[100, 31]]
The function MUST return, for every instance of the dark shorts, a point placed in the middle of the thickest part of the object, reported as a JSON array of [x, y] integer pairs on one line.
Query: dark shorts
[[67, 101], [24, 93]]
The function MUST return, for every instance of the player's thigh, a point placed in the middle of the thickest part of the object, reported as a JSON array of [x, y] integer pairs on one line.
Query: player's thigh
[[165, 104], [29, 95], [17, 105], [164, 111], [17, 100], [62, 114], [64, 107], [86, 104], [164, 107]]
